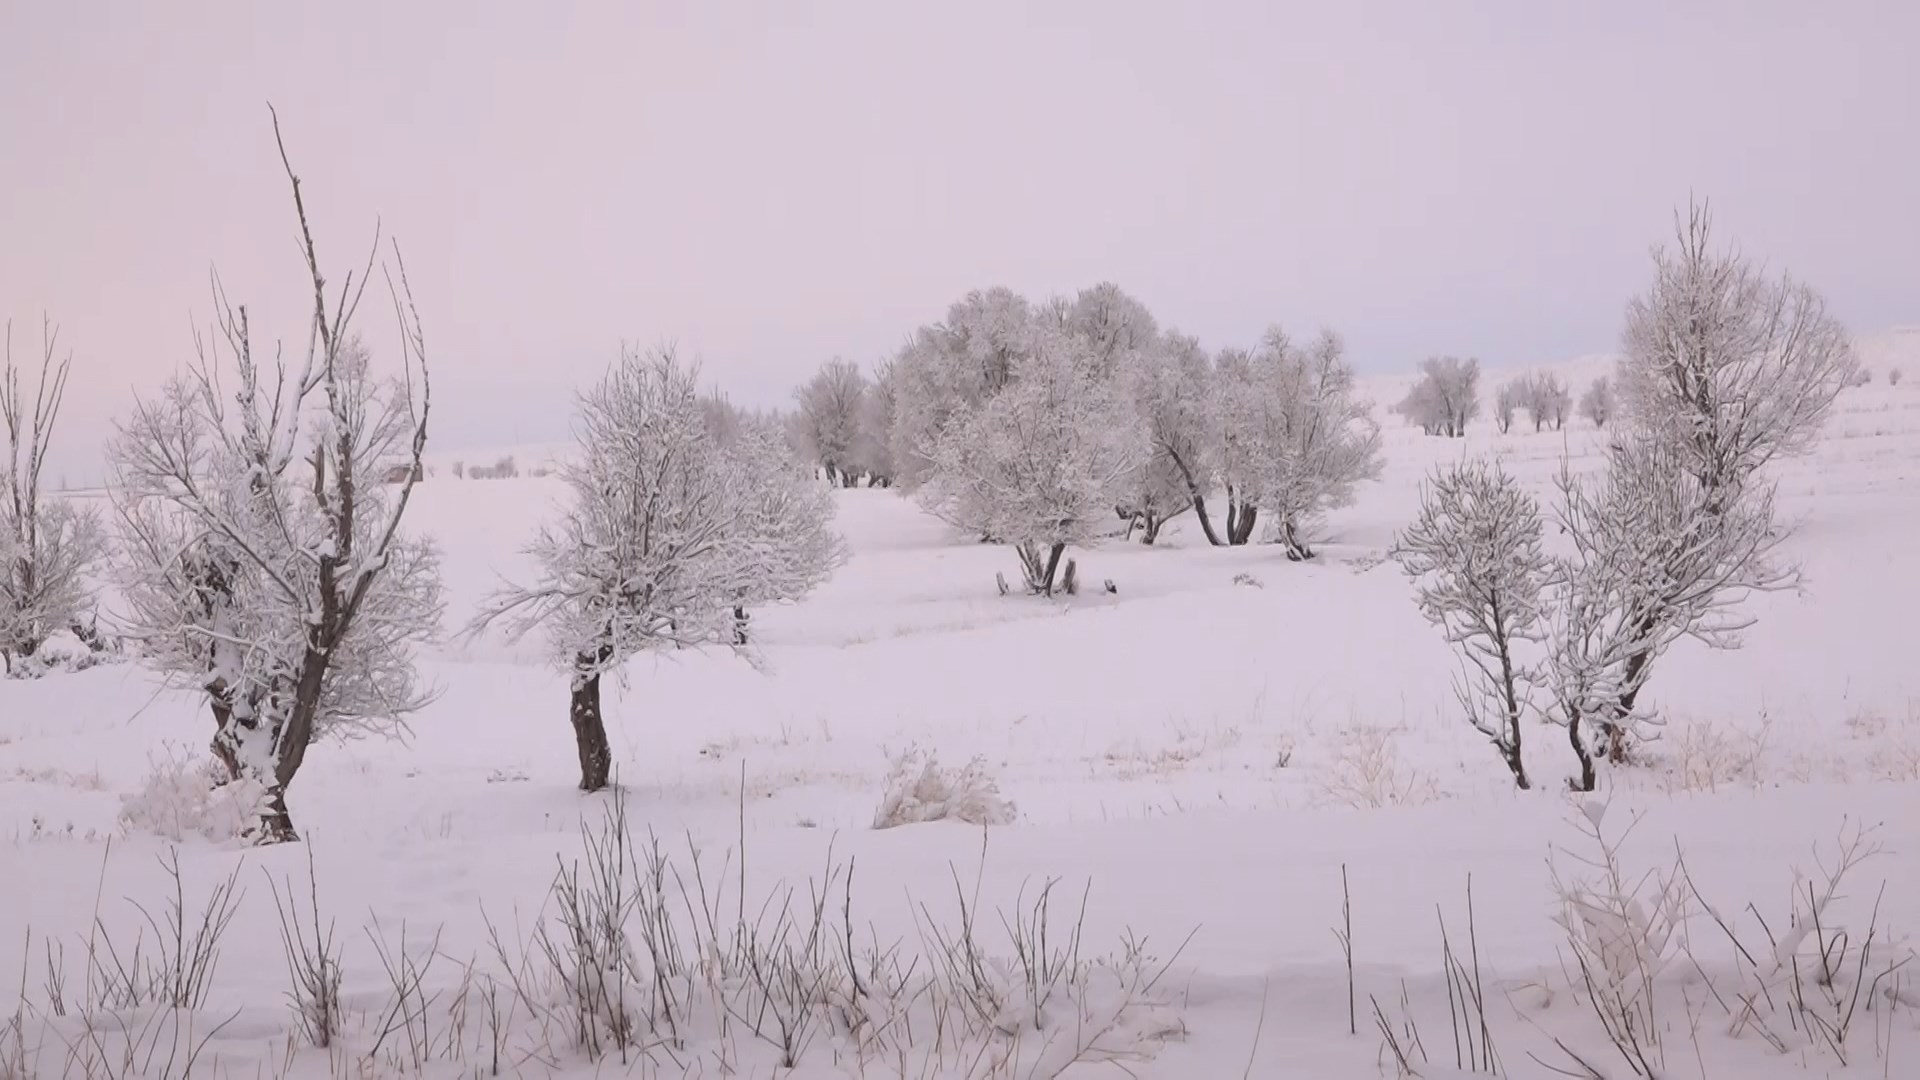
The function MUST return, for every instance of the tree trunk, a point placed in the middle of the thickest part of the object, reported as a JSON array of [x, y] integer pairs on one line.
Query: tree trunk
[[1152, 531], [590, 733], [1585, 782], [1240, 519], [739, 625], [223, 750], [1199, 500], [1053, 566], [1297, 549]]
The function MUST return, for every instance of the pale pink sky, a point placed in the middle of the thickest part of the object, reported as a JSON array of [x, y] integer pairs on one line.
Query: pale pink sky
[[775, 184]]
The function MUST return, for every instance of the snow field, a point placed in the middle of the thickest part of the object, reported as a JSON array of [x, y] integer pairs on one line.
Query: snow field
[[1200, 755]]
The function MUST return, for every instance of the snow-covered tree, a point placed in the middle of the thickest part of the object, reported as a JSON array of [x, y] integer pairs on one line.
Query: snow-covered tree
[[1044, 460], [1596, 404], [1174, 393], [1546, 399], [670, 535], [1296, 438], [873, 446], [265, 564], [1446, 398], [1237, 406], [1319, 440], [1476, 555], [1657, 557], [1729, 366], [782, 544], [951, 366], [1511, 399], [47, 547], [830, 408], [1725, 370]]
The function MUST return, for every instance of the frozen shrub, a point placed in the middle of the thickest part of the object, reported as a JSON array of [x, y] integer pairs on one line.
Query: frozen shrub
[[920, 789], [183, 796], [1367, 772]]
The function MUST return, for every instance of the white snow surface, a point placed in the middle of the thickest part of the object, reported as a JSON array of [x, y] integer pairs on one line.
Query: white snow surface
[[1202, 758]]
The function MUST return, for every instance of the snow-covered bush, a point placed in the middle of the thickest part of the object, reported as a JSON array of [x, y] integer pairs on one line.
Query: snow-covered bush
[[264, 560], [1366, 772], [1446, 398], [47, 547], [920, 789], [669, 537], [1476, 555], [184, 796]]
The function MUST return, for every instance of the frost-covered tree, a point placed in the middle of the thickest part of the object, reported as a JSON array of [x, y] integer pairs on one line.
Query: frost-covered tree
[[1657, 556], [1476, 555], [1173, 389], [47, 547], [873, 446], [1297, 439], [1596, 404], [829, 411], [782, 544], [670, 535], [1725, 369], [265, 564], [1044, 460], [1237, 403], [1547, 400], [1511, 399], [1727, 365], [1446, 398], [955, 365]]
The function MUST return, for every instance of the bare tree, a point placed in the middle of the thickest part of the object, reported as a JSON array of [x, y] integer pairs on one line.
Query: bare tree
[[1596, 404], [1475, 551], [47, 548], [265, 560], [830, 408], [669, 536]]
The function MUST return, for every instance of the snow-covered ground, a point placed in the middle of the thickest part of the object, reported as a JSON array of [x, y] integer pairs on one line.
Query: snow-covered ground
[[1205, 755]]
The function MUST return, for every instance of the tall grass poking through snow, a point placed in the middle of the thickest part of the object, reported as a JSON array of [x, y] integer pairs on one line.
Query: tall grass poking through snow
[[641, 960]]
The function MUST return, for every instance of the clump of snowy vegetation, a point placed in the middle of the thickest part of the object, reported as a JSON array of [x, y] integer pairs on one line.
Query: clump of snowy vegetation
[[920, 789]]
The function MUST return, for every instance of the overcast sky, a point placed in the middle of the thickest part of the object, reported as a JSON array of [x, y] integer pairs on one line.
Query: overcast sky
[[775, 184]]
